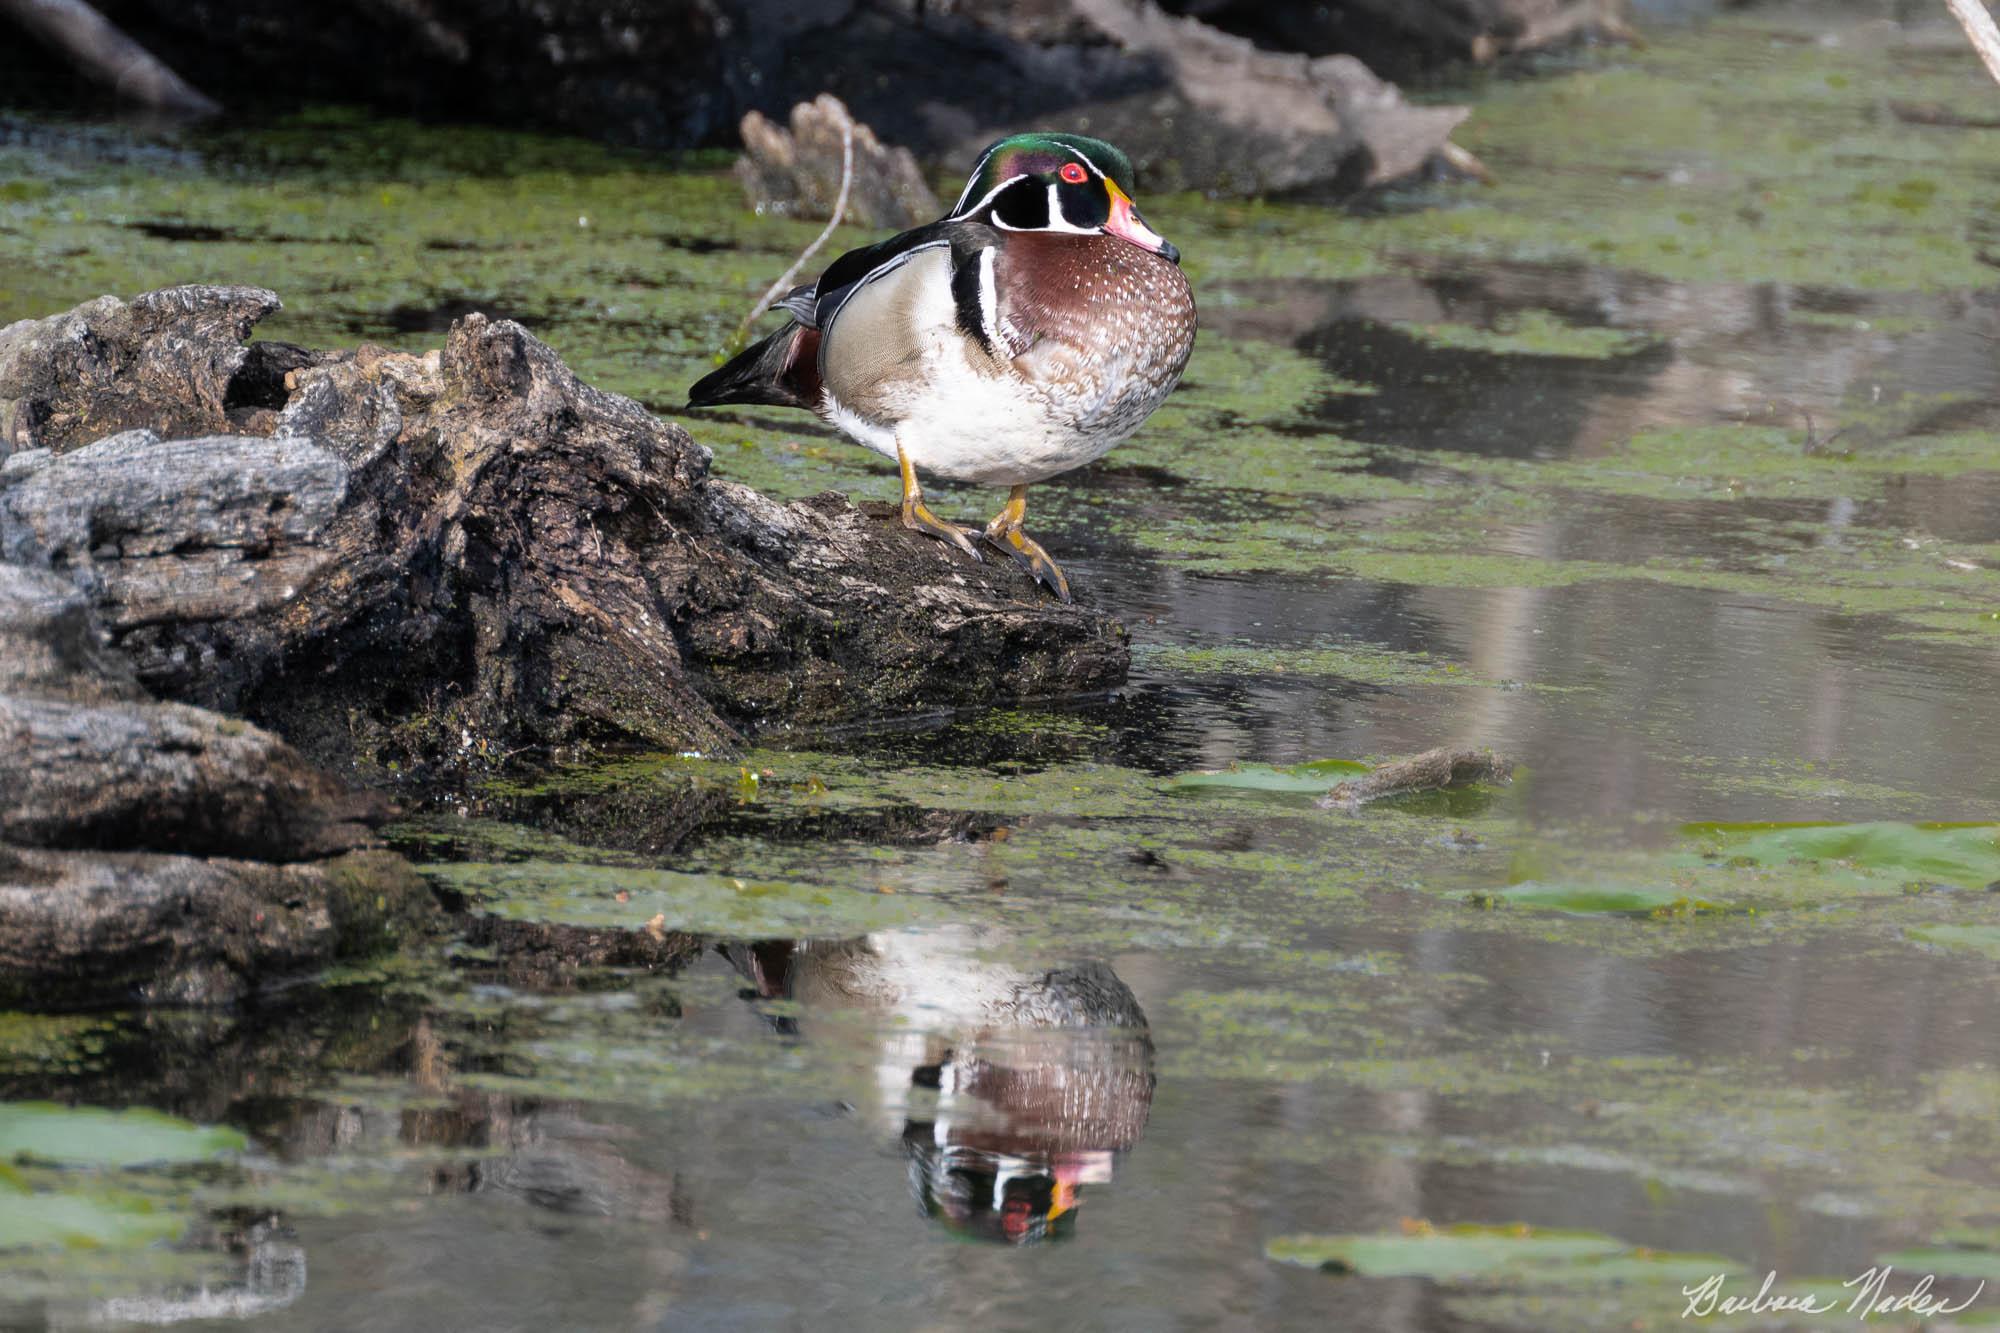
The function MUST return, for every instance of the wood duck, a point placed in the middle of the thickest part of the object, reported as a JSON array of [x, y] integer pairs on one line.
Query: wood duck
[[1032, 1081], [1020, 337]]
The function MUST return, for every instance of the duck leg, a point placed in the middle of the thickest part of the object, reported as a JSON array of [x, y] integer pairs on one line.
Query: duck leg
[[1005, 532], [918, 517]]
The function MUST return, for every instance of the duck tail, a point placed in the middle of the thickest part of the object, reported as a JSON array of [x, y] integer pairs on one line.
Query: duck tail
[[782, 370]]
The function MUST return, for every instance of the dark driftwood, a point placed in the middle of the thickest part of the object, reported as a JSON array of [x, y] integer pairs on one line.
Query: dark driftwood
[[1433, 770], [471, 552], [1400, 38], [1195, 107], [1233, 118], [158, 852]]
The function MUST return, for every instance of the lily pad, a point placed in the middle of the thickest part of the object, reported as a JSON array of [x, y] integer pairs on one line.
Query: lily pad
[[1590, 899], [92, 1136], [1945, 1262], [1455, 1252], [1964, 854], [1974, 939], [1311, 779]]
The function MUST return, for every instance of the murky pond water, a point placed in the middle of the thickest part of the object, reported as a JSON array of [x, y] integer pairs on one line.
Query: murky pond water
[[1668, 465]]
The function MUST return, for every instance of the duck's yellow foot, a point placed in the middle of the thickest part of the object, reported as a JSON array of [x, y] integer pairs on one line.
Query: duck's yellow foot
[[1005, 532], [918, 518]]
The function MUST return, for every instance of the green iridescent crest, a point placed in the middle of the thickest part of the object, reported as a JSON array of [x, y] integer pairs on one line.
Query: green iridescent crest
[[1041, 154]]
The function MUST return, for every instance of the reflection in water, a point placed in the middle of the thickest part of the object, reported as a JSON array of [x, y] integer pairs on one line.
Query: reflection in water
[[1015, 1088], [1772, 353], [1636, 698], [274, 1276]]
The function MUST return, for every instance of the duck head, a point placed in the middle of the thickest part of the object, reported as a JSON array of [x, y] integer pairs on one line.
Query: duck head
[[1062, 183]]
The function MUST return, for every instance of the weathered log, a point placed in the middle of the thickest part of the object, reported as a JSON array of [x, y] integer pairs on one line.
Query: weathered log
[[471, 552], [138, 840], [51, 648], [177, 530], [90, 928], [165, 362], [166, 777]]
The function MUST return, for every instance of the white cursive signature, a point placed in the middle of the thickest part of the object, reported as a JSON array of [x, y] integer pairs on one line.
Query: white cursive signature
[[1871, 1297]]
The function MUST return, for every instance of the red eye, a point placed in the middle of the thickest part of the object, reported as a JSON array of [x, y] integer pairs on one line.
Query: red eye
[[1074, 174]]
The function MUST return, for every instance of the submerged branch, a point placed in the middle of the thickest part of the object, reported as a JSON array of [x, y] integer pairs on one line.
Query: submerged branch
[[97, 48], [1433, 770], [1980, 29]]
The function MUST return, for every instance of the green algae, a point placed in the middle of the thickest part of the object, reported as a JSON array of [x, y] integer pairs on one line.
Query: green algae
[[100, 1220], [51, 1042], [1653, 900], [1743, 461], [1352, 661], [1555, 1278], [1947, 1262], [1533, 333], [597, 895], [88, 1136], [1313, 778]]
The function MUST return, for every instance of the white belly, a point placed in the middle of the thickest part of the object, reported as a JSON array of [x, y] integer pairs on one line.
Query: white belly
[[991, 430]]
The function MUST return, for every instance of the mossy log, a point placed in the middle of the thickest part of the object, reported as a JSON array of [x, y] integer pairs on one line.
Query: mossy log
[[392, 558]]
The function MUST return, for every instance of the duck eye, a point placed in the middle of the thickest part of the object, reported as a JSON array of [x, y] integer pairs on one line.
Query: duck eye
[[1074, 173]]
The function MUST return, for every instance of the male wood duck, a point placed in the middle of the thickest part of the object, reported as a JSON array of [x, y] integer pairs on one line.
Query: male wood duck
[[1020, 337]]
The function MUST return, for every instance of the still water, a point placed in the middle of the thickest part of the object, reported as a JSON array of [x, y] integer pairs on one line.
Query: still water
[[1085, 1014]]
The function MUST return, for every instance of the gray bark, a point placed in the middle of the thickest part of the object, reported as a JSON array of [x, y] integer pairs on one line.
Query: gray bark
[[157, 852], [471, 552]]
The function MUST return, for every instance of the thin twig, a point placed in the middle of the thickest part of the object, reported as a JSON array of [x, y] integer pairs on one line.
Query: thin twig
[[1978, 24], [784, 283]]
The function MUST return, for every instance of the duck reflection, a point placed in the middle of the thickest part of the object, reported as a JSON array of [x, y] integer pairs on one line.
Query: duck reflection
[[1010, 1089]]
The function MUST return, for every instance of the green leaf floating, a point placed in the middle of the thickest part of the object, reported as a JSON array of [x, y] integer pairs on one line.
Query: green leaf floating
[[1964, 854], [1310, 779], [1946, 1262], [1741, 867], [1665, 899], [91, 1136], [1974, 939], [1497, 1256], [1460, 1251]]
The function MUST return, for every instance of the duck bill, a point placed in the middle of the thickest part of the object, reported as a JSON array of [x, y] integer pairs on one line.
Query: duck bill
[[1127, 225]]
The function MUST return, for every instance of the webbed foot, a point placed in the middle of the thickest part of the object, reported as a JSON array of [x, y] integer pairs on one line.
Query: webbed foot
[[1005, 533]]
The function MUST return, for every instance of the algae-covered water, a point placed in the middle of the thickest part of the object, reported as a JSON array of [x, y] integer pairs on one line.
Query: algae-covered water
[[1668, 464]]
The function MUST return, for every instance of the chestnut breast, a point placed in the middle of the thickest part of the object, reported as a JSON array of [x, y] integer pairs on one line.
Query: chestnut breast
[[1107, 326]]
